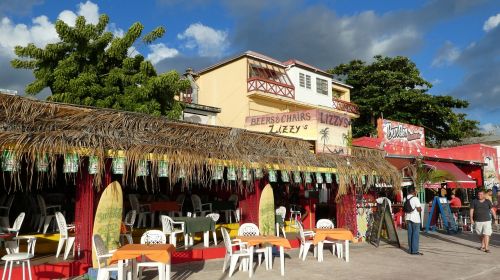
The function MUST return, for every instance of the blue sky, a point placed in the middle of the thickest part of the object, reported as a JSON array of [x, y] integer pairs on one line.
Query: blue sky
[[455, 43]]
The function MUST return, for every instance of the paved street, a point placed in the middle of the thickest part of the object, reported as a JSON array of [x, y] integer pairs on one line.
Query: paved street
[[445, 257]]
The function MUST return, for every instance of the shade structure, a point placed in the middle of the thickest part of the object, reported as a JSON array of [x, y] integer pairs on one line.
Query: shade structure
[[460, 179]]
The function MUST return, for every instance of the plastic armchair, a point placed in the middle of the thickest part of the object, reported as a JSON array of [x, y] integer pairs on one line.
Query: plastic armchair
[[64, 238], [129, 226], [168, 228], [231, 256], [5, 212], [327, 224], [249, 229], [20, 257], [102, 256], [152, 237], [305, 242], [47, 213], [142, 211], [215, 217], [16, 227], [281, 212], [201, 208]]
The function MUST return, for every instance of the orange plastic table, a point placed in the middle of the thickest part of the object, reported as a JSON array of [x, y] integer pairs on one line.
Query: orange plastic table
[[155, 252], [320, 234], [267, 241]]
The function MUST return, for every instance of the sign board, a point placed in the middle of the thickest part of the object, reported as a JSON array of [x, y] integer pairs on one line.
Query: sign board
[[328, 129], [382, 222], [400, 134], [441, 207]]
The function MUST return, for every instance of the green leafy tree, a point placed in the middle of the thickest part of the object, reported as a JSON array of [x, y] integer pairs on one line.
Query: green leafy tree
[[393, 88], [90, 66]]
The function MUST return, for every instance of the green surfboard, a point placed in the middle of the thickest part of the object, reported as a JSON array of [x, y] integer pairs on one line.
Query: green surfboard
[[108, 217], [267, 212]]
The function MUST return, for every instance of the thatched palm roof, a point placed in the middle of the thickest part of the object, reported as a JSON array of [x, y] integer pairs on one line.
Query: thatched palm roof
[[32, 128]]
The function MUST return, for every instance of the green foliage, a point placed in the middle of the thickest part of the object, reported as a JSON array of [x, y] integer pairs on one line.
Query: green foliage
[[393, 87], [90, 66], [422, 174]]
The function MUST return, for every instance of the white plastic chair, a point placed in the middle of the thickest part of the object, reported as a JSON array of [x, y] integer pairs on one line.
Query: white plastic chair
[[295, 216], [325, 223], [249, 229], [168, 227], [5, 212], [306, 242], [16, 256], [201, 208], [142, 211], [16, 227], [231, 256], [215, 217], [152, 237], [102, 256], [46, 213], [281, 211], [180, 200], [129, 225], [64, 236]]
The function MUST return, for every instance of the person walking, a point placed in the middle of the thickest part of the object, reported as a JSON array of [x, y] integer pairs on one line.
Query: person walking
[[481, 212], [412, 209]]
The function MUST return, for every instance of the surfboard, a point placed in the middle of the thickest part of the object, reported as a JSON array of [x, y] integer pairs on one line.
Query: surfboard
[[108, 217], [266, 211]]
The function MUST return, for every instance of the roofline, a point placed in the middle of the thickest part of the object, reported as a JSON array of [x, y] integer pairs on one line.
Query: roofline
[[300, 64], [341, 84], [237, 57]]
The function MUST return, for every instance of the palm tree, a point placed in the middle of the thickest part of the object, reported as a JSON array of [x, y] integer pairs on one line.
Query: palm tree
[[324, 136]]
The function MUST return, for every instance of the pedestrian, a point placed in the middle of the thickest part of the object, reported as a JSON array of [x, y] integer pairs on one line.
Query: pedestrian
[[481, 212], [412, 209]]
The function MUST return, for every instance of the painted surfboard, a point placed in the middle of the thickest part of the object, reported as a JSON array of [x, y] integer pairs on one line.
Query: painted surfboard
[[108, 217], [266, 211]]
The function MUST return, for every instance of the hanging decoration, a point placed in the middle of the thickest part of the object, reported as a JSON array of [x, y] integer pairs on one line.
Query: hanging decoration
[[93, 164], [308, 177], [163, 168], [363, 180], [328, 178], [258, 173], [142, 168], [244, 174], [9, 161], [337, 179], [219, 172], [272, 176], [285, 176], [118, 166], [319, 178], [296, 177], [70, 163], [231, 173], [42, 163]]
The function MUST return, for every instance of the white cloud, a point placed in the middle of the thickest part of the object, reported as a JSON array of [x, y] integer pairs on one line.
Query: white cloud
[[446, 55], [88, 9], [492, 22], [209, 42], [161, 51]]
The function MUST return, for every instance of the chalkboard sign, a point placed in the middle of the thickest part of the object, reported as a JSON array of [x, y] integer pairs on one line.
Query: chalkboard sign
[[382, 222], [440, 206]]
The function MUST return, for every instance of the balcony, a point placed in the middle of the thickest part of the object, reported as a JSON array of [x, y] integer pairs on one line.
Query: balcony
[[345, 106], [269, 86]]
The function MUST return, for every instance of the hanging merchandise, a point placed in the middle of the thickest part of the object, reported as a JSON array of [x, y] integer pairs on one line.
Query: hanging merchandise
[[328, 178], [308, 177], [231, 173], [319, 178], [258, 173], [42, 163], [363, 180], [272, 176], [285, 176], [244, 174], [70, 163], [296, 177], [93, 164], [163, 168], [142, 168], [118, 166], [219, 172], [9, 161], [337, 178]]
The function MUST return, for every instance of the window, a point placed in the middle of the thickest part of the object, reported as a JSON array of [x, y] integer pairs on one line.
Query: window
[[308, 81], [268, 72], [302, 80], [321, 86]]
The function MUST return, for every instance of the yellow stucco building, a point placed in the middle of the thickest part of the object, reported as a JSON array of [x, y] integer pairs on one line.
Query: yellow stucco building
[[290, 98]]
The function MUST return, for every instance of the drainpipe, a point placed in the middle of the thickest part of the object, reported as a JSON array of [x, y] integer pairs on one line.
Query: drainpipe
[[191, 76]]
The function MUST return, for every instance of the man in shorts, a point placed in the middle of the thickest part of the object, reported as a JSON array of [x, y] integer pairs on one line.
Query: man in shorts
[[481, 212]]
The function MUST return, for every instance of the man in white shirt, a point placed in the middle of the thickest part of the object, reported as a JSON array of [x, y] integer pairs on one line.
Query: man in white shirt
[[412, 210]]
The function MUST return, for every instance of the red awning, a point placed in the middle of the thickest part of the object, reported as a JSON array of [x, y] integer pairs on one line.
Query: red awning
[[461, 180]]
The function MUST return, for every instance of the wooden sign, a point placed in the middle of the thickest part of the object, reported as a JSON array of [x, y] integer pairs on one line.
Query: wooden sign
[[382, 222], [108, 217], [440, 206], [266, 211]]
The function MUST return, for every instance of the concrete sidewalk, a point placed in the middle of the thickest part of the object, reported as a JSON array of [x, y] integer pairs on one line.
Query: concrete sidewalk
[[445, 257]]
